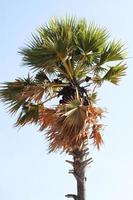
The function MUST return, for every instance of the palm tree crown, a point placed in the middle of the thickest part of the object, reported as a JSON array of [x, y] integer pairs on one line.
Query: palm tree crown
[[70, 60]]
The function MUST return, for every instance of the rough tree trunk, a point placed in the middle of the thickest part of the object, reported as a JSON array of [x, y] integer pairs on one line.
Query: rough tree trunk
[[79, 164]]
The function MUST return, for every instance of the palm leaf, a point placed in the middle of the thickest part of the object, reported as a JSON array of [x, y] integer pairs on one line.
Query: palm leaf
[[41, 77], [90, 39], [96, 135], [29, 115], [113, 51], [8, 94], [93, 97], [14, 94], [114, 74], [65, 124]]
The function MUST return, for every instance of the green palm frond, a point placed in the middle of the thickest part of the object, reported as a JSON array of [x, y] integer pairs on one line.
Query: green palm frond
[[53, 45], [97, 80], [90, 39], [93, 97], [114, 74], [80, 70], [39, 58], [41, 77], [58, 35], [63, 42], [9, 92], [38, 89], [28, 115], [14, 94], [99, 70], [113, 51]]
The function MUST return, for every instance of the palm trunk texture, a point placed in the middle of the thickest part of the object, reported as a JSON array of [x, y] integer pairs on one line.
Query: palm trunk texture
[[79, 164]]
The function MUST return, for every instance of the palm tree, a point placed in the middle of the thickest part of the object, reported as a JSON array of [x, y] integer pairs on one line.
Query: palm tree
[[70, 60]]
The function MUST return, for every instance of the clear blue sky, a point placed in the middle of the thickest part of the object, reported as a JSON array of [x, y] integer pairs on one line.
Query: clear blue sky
[[27, 172]]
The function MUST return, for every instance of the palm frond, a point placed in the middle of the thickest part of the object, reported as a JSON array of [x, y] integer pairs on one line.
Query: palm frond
[[41, 77], [92, 97], [14, 94], [113, 51], [39, 58], [91, 39], [96, 135], [97, 80], [114, 74], [29, 115], [8, 94], [98, 70], [68, 125], [65, 125]]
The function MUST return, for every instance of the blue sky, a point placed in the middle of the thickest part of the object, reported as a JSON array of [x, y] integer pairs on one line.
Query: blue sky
[[27, 172]]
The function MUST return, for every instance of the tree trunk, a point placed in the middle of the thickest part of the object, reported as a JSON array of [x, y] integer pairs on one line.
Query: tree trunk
[[79, 172], [79, 164]]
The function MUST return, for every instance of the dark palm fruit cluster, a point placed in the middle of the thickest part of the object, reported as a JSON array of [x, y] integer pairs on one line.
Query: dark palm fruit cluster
[[83, 96], [69, 92], [56, 80], [87, 78], [82, 91], [85, 102]]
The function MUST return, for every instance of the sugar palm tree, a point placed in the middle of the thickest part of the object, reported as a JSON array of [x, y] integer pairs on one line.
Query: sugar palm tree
[[70, 60]]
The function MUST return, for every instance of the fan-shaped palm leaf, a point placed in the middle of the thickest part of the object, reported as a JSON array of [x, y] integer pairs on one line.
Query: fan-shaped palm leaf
[[68, 125], [14, 94], [114, 74], [29, 115], [113, 51]]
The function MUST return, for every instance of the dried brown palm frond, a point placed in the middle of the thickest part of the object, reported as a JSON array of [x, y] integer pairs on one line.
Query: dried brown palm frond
[[69, 125], [94, 113], [96, 135], [33, 92], [47, 117], [64, 124]]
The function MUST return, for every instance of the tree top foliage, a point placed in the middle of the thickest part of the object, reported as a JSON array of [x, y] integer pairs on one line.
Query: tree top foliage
[[70, 59]]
